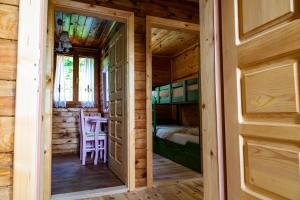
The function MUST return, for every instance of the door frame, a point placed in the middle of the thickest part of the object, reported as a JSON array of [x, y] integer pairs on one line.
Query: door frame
[[157, 22], [210, 99], [32, 166]]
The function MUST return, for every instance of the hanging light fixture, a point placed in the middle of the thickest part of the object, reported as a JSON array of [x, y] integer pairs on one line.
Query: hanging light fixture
[[64, 44]]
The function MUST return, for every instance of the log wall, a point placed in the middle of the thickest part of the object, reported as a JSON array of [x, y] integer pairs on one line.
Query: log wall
[[8, 63], [177, 9], [65, 129]]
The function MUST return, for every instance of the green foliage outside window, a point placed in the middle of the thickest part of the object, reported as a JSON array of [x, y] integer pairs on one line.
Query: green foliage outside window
[[68, 77]]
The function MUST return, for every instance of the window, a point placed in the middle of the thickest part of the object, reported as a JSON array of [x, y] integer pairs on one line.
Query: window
[[63, 85], [86, 80], [74, 81], [105, 85], [68, 77]]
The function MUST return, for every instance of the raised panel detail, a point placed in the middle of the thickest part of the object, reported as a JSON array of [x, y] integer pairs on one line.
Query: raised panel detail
[[119, 78], [112, 109], [111, 145], [112, 128], [271, 89], [258, 15], [119, 153], [120, 50], [273, 168], [119, 108], [119, 130], [112, 81]]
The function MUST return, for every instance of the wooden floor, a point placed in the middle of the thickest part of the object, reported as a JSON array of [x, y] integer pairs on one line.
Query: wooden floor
[[166, 170], [68, 175], [191, 189]]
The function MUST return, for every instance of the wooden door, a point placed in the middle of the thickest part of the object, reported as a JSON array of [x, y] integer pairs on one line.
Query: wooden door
[[261, 54], [117, 144]]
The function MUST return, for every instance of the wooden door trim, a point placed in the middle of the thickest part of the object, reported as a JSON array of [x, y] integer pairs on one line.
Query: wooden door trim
[[211, 92], [212, 101], [28, 109], [32, 166]]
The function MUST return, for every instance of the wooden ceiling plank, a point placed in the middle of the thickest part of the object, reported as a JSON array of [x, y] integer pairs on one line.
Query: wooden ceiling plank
[[66, 21], [93, 32], [79, 29], [73, 25], [171, 42], [86, 29], [104, 32], [58, 15]]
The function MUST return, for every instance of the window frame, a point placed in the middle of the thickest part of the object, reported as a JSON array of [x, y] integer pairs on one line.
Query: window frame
[[76, 53]]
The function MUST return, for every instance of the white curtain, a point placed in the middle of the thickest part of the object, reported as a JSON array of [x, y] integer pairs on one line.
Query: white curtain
[[59, 85], [86, 93]]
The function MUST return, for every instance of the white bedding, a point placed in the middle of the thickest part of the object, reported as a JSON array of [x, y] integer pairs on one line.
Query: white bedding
[[178, 134]]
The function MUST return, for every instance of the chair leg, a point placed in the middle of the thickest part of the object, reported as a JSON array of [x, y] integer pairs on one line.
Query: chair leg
[[96, 157], [80, 149], [101, 156], [83, 157], [105, 149]]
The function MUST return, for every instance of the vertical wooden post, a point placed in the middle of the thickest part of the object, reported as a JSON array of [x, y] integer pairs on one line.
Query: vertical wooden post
[[211, 100], [47, 106], [28, 120], [149, 102]]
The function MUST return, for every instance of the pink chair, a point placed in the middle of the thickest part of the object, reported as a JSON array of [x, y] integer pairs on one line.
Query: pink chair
[[87, 137], [92, 139], [101, 142]]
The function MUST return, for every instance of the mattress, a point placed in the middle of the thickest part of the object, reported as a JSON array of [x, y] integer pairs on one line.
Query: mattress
[[178, 134]]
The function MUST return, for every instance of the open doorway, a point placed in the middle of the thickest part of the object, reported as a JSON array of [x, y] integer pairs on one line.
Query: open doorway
[[173, 59], [92, 57], [81, 89]]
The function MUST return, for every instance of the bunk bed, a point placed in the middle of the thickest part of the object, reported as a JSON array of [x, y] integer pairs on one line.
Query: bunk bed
[[178, 143]]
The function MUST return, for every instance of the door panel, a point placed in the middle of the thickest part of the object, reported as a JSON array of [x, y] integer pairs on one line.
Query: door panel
[[266, 53], [272, 167], [117, 137], [258, 15]]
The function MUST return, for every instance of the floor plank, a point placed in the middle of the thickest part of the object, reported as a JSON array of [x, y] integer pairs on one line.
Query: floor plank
[[68, 175], [165, 170], [190, 189]]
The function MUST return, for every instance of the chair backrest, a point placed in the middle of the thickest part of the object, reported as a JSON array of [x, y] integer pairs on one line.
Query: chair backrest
[[81, 115], [86, 125]]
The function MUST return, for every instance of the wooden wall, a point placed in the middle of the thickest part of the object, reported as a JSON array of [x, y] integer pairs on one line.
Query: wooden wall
[[161, 70], [186, 65], [177, 9], [8, 63], [65, 129]]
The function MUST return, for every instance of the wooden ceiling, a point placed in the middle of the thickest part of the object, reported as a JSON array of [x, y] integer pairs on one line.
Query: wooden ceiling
[[171, 42], [84, 31]]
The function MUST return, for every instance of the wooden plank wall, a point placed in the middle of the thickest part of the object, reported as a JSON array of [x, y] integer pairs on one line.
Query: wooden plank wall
[[185, 11], [65, 129], [186, 65], [8, 64], [161, 70], [161, 75]]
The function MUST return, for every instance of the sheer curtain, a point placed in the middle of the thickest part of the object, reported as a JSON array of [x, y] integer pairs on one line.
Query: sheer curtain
[[59, 84], [86, 82]]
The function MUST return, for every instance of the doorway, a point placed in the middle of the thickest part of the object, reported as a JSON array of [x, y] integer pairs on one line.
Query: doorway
[[97, 37], [173, 112]]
